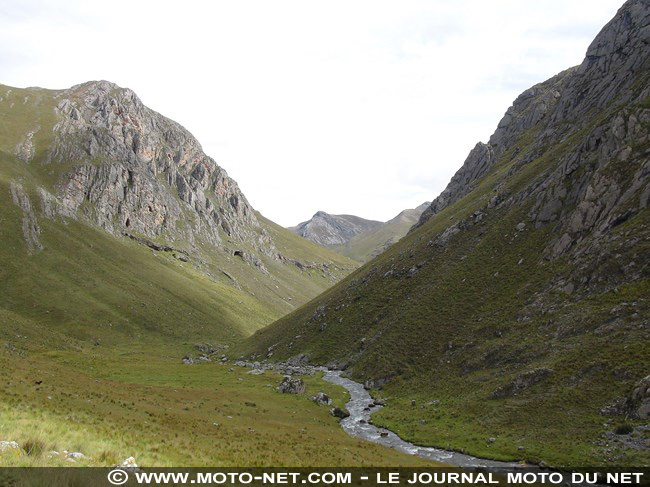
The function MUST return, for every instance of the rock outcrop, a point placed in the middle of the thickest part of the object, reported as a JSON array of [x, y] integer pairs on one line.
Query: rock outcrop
[[290, 385], [356, 237], [330, 230], [609, 77], [31, 229], [139, 172], [322, 399]]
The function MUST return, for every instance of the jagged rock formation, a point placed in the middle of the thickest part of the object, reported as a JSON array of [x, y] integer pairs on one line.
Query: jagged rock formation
[[141, 172], [331, 230], [355, 237], [608, 77]]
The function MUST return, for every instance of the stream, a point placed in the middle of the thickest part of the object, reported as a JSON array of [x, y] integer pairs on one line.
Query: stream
[[360, 399]]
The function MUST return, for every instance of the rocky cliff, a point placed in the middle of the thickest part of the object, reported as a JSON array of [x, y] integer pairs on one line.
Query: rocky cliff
[[137, 171], [614, 76], [94, 163]]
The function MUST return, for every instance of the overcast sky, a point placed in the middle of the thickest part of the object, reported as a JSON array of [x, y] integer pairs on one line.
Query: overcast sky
[[360, 107]]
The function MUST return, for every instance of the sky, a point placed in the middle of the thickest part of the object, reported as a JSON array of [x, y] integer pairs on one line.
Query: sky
[[358, 107]]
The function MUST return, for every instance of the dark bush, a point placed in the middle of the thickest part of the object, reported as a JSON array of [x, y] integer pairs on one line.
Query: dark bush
[[624, 429]]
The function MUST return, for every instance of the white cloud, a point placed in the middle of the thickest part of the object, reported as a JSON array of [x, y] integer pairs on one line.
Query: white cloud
[[363, 107]]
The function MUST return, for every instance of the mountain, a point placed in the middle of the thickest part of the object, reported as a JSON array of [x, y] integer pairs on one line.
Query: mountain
[[333, 230], [116, 222], [356, 237], [129, 264], [513, 322]]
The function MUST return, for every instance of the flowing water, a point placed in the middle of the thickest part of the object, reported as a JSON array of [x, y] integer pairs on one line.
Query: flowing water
[[359, 401]]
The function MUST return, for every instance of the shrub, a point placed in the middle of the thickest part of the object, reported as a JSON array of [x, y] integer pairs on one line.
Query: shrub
[[34, 447], [624, 429]]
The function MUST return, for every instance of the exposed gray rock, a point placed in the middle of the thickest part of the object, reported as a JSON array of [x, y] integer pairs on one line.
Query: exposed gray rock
[[31, 229], [478, 163], [129, 463], [322, 399], [75, 455], [298, 360], [330, 230], [357, 237], [9, 445], [596, 199], [319, 313], [376, 383], [143, 173], [289, 385], [412, 271], [25, 149]]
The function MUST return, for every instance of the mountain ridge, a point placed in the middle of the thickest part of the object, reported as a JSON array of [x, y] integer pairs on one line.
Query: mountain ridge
[[356, 237], [517, 309], [93, 157]]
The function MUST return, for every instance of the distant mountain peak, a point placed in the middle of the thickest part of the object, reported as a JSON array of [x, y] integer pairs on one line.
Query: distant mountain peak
[[354, 236]]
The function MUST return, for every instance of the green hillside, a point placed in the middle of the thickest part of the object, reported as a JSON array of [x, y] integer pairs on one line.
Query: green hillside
[[370, 244], [513, 322], [90, 282], [94, 323]]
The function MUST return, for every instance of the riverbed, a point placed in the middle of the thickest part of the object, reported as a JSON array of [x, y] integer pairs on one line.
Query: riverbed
[[358, 425]]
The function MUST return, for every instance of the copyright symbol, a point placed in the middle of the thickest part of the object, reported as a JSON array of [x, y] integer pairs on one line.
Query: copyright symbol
[[118, 477]]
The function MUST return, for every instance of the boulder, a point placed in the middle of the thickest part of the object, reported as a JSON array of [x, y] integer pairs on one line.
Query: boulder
[[322, 399], [298, 360], [289, 385], [635, 406], [204, 349], [376, 383], [339, 413], [75, 455], [10, 447]]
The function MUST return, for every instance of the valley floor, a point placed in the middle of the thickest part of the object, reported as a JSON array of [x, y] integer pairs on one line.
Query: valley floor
[[111, 405]]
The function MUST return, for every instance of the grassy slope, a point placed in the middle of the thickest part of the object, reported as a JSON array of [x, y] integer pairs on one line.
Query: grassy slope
[[114, 403], [86, 278], [368, 245], [468, 322], [103, 322]]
